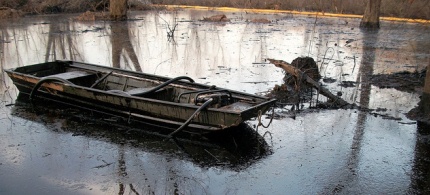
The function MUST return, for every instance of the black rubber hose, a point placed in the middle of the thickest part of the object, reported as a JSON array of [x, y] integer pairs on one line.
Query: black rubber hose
[[44, 80], [206, 104], [164, 84], [191, 92]]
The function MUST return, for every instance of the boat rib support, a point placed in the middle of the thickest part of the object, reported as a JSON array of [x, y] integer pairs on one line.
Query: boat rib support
[[45, 80], [101, 79]]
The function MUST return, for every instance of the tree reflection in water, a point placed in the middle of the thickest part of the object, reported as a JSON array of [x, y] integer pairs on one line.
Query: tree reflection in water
[[149, 155], [122, 173], [208, 50], [365, 73], [421, 171], [122, 47], [60, 44]]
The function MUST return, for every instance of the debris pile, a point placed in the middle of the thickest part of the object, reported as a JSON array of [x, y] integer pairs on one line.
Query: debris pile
[[301, 77]]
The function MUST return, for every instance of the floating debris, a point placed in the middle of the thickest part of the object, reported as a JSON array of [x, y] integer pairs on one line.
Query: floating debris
[[261, 20]]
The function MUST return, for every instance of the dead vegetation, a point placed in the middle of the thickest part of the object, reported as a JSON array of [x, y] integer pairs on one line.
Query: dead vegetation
[[217, 18], [6, 13], [261, 20], [301, 77], [92, 16], [67, 6]]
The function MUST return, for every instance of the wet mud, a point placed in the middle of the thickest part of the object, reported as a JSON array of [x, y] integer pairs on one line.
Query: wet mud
[[412, 82]]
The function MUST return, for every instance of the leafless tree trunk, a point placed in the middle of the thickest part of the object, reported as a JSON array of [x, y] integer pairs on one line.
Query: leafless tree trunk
[[118, 9], [425, 98], [371, 15], [422, 112], [427, 81]]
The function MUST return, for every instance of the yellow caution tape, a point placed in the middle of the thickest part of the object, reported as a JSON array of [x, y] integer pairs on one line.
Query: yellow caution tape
[[319, 14]]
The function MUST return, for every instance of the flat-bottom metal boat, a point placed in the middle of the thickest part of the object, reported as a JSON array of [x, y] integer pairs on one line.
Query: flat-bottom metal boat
[[176, 101]]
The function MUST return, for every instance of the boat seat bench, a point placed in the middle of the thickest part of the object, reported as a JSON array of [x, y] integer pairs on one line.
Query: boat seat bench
[[136, 91], [82, 78], [163, 93], [160, 94], [70, 75]]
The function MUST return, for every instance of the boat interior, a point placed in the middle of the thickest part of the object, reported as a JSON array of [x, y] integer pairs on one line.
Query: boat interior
[[179, 89]]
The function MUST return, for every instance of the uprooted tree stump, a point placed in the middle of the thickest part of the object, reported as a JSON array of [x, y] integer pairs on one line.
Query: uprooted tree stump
[[293, 90], [303, 73], [305, 64]]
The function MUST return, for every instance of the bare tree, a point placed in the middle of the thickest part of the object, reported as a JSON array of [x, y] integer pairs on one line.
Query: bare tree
[[371, 15], [425, 97], [427, 80], [422, 111], [118, 9]]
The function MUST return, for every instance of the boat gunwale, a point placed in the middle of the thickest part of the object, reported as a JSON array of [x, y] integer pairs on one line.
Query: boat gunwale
[[156, 76], [110, 111], [265, 100]]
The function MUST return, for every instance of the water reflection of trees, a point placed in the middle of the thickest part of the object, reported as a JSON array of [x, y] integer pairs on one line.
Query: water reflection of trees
[[421, 170], [60, 44], [241, 147], [2, 50], [364, 75], [420, 177], [170, 27], [122, 173], [193, 51], [122, 47], [8, 92]]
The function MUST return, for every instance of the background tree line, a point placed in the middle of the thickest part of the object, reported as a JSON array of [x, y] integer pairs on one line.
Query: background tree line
[[397, 8]]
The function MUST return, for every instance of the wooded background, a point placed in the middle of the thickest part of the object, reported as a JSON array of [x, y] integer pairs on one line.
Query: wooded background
[[397, 8]]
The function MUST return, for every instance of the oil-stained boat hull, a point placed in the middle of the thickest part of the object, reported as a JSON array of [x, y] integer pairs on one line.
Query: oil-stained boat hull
[[105, 88]]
